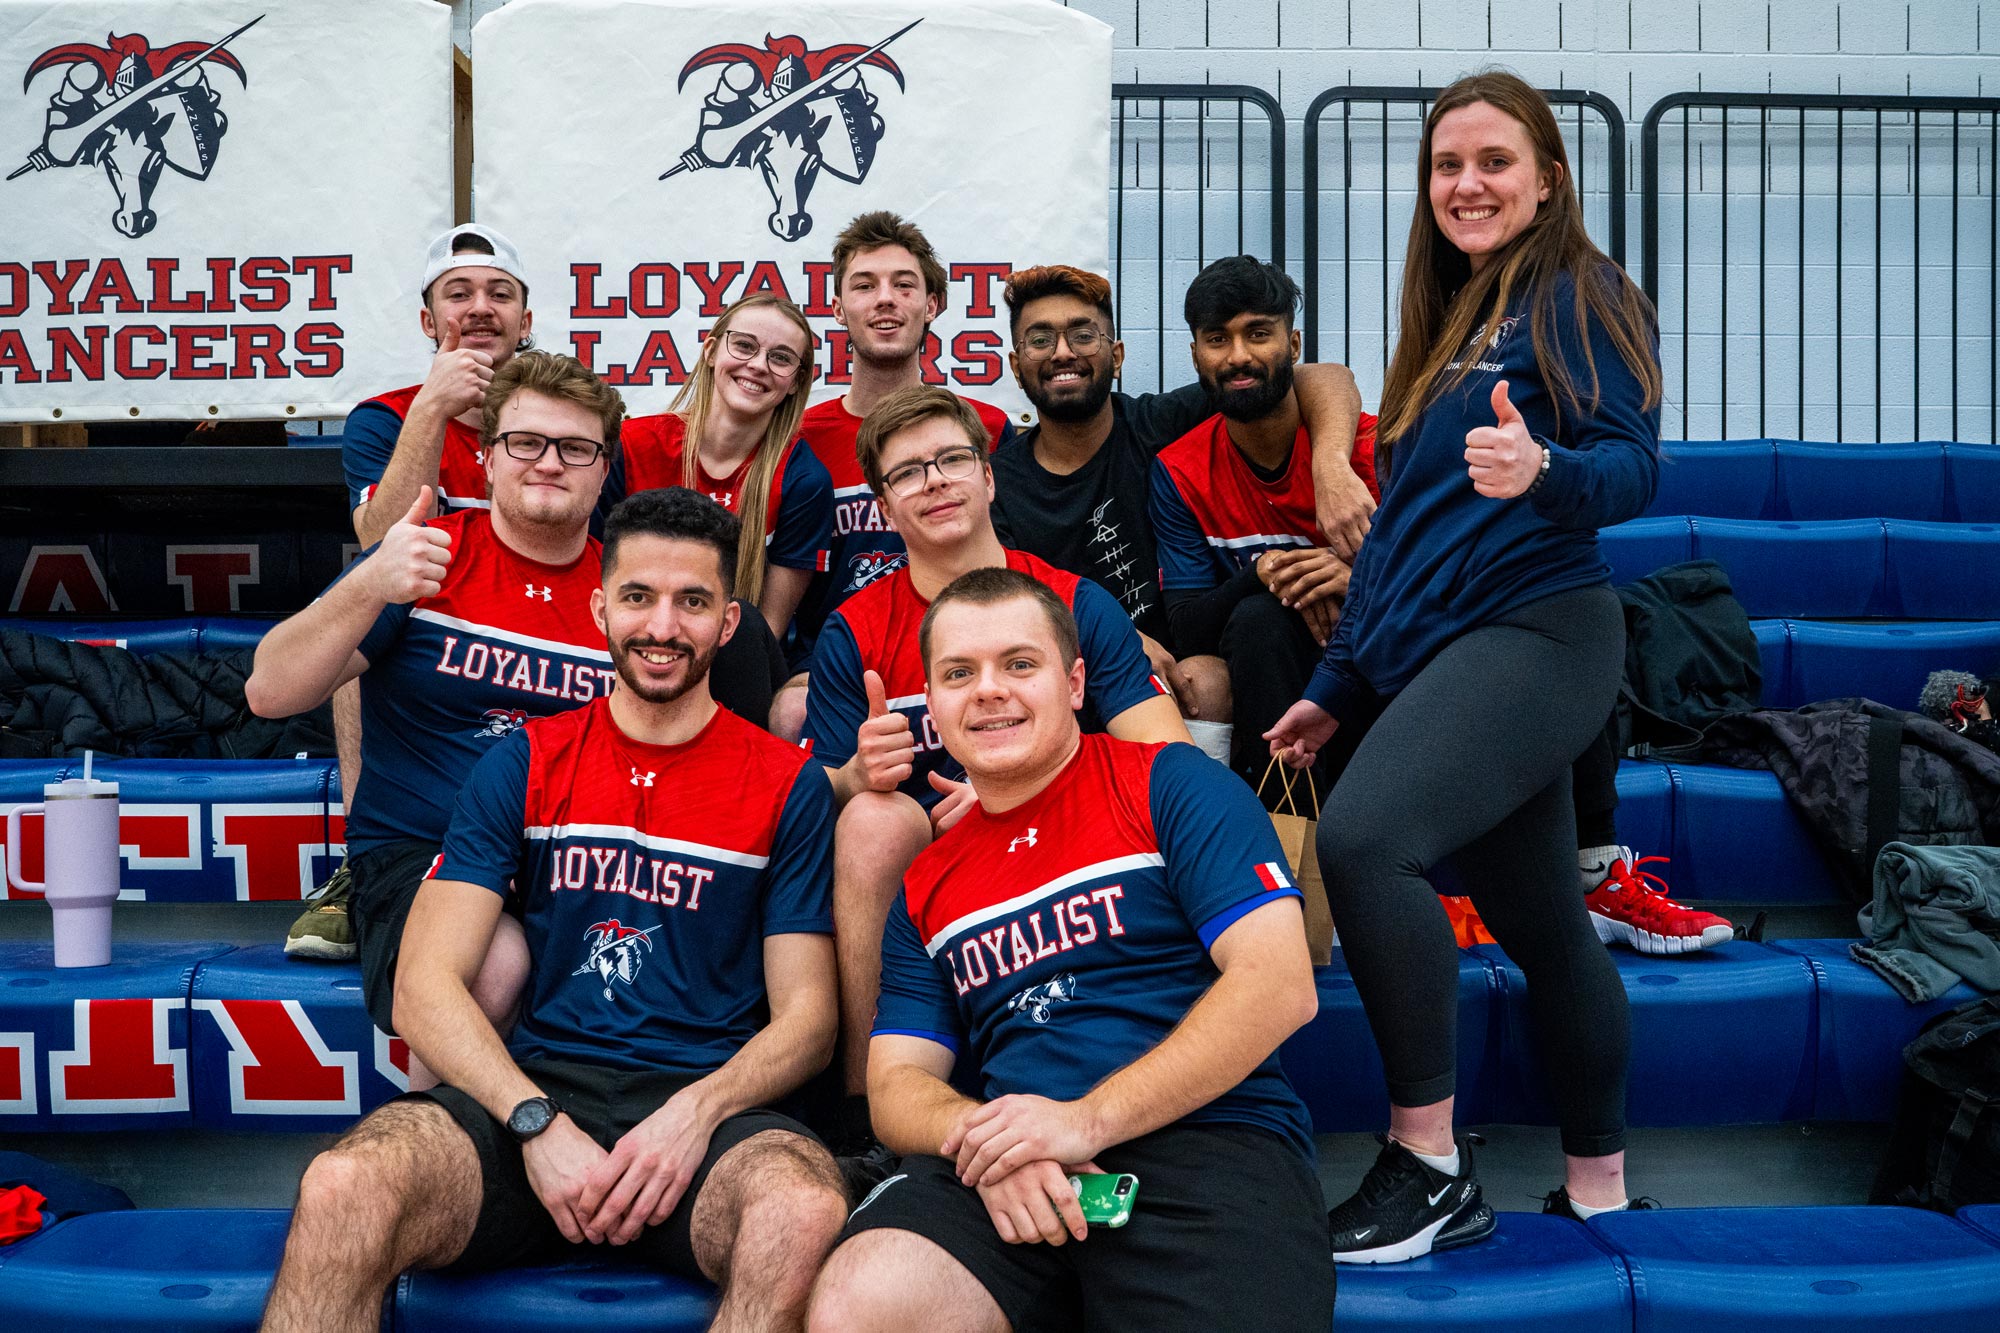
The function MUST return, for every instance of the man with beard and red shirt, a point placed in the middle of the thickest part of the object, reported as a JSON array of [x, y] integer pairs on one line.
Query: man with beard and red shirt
[[1233, 510], [887, 288]]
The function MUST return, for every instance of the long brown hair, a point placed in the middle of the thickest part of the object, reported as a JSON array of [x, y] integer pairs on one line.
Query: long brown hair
[[1444, 301], [697, 399]]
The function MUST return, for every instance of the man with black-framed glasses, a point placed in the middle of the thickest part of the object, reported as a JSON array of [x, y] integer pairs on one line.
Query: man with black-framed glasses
[[460, 629]]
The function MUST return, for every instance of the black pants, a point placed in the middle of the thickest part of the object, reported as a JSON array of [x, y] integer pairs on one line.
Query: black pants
[[1473, 758], [749, 669], [1271, 655]]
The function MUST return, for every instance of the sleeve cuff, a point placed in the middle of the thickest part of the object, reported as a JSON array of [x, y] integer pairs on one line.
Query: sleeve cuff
[[1211, 929], [1556, 495], [1333, 690], [943, 1039]]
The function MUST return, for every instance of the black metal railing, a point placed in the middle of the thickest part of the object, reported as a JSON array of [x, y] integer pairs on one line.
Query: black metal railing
[[1868, 305], [1370, 194], [1198, 172]]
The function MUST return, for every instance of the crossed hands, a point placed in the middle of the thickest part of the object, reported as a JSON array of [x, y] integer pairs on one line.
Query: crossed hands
[[1307, 580], [610, 1197], [1012, 1150]]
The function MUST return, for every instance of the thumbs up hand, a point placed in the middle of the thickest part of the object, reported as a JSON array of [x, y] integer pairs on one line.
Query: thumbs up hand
[[884, 747], [1503, 460], [412, 559], [458, 376]]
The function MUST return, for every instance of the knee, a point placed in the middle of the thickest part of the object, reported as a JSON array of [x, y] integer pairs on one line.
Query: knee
[[1206, 680], [788, 710], [855, 1294], [353, 1190], [878, 834]]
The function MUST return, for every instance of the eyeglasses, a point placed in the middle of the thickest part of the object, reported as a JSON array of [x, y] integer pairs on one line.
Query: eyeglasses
[[1040, 342], [743, 347], [528, 447], [952, 465]]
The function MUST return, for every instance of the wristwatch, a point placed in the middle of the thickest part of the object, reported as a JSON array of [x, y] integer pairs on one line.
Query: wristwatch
[[531, 1117]]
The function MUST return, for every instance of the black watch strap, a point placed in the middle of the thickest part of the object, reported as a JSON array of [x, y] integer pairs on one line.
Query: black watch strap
[[531, 1116]]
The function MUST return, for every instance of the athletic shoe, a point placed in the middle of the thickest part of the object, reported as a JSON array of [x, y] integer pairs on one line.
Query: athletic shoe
[[1406, 1208], [1557, 1204], [861, 1172], [1631, 907], [323, 930]]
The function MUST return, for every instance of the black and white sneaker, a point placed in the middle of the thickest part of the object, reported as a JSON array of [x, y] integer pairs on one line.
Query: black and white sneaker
[[1406, 1208], [1557, 1204]]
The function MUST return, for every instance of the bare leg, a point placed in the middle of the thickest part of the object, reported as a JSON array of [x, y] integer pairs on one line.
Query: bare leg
[[887, 1281], [502, 980], [788, 709], [1596, 1182], [402, 1189], [878, 835], [767, 1216], [347, 739], [1424, 1129]]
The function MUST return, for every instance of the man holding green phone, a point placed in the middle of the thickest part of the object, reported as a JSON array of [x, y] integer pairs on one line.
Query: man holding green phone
[[1112, 936]]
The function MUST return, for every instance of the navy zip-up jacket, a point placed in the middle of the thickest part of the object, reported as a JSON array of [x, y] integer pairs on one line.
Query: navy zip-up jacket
[[1442, 559]]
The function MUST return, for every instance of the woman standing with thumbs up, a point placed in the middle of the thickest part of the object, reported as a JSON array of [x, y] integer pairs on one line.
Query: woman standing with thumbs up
[[1481, 646]]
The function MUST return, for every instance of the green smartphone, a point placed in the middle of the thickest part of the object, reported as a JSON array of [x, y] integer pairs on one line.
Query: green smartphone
[[1107, 1199]]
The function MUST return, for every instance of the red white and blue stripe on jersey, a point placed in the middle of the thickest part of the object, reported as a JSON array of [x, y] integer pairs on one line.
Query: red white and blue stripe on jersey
[[798, 513], [368, 441], [1063, 939], [876, 630], [504, 640], [1213, 516], [648, 878], [863, 548]]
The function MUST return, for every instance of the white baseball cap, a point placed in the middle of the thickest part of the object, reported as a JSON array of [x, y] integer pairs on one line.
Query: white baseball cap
[[442, 260]]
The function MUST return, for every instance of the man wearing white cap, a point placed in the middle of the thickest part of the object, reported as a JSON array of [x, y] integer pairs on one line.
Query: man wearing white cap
[[475, 311]]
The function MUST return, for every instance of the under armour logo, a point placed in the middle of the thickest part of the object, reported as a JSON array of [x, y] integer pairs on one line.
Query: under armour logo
[[1028, 837], [642, 779], [546, 594]]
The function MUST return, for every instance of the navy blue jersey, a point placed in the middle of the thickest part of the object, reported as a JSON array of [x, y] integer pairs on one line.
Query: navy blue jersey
[[368, 442], [648, 877], [1062, 940]]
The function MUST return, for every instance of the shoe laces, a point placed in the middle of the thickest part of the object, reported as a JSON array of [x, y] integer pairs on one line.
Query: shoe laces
[[1393, 1165], [1625, 875]]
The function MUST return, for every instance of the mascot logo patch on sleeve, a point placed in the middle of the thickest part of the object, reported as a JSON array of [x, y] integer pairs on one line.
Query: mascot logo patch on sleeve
[[790, 113], [134, 110]]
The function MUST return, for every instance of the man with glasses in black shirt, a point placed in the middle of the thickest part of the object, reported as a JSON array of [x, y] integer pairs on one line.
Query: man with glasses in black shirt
[[1072, 488]]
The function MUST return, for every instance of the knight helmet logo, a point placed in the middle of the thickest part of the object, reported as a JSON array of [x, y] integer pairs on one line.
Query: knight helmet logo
[[616, 952], [1037, 1001], [134, 110], [500, 721], [868, 566], [789, 112]]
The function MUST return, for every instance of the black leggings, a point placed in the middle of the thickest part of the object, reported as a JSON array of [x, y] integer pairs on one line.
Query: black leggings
[[1473, 759]]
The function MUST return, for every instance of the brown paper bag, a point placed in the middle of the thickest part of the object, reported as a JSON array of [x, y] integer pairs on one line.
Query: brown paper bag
[[1296, 834]]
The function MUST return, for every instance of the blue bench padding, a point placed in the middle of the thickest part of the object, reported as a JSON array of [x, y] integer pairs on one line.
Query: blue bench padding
[[1886, 663], [1803, 1270], [172, 634], [1774, 660], [1646, 808], [1820, 480], [1737, 837], [1942, 571], [1972, 476], [1636, 549], [1983, 1218], [1725, 478], [1799, 570], [1721, 1037], [1535, 1275], [594, 1294]]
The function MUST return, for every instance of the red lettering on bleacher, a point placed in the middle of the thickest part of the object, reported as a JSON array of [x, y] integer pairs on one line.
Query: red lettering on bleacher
[[273, 846], [150, 837], [278, 1062], [17, 1073], [211, 578], [392, 1060], [61, 578], [124, 1062]]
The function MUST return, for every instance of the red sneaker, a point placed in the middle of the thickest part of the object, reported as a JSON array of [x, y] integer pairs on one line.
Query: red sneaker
[[1631, 907]]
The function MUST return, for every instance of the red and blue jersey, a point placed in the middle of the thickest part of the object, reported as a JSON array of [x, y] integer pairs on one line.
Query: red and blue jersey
[[504, 640], [1213, 515], [1060, 941], [648, 877], [876, 630], [368, 441], [863, 547], [798, 513]]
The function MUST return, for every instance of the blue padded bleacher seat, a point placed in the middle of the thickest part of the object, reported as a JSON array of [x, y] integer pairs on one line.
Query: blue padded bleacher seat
[[1724, 478], [1983, 1218], [1774, 655], [1824, 569], [1536, 1274], [1720, 1037], [219, 632], [1886, 663], [1818, 481], [1646, 808], [96, 1048], [1863, 1026], [1737, 837], [595, 1294], [1972, 474], [281, 1045], [138, 636], [1803, 1270], [1943, 571], [1636, 549], [192, 1270], [1334, 1064]]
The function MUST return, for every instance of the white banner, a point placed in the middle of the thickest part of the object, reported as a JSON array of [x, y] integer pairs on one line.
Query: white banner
[[217, 208], [640, 149]]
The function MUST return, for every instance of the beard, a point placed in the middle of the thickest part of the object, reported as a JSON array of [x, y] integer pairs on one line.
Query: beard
[[1076, 407], [1255, 402], [562, 517], [695, 673]]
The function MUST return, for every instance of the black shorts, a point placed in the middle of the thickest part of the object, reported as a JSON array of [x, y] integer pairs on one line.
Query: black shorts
[[383, 883], [1229, 1232], [513, 1226]]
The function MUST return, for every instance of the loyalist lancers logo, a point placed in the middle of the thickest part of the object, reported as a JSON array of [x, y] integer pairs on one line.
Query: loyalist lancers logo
[[616, 951], [134, 110], [789, 112]]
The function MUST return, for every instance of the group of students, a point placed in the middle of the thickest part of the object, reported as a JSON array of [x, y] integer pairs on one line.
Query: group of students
[[622, 919]]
